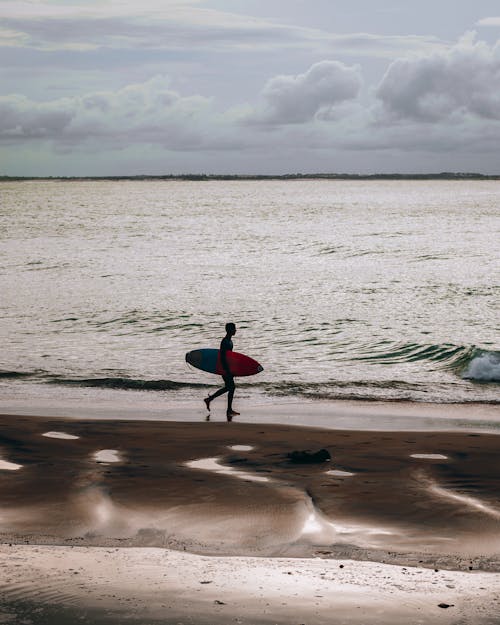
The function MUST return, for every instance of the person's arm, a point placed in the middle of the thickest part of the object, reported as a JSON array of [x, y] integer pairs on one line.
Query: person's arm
[[223, 356]]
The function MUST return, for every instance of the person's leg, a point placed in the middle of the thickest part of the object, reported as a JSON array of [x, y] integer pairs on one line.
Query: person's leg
[[230, 387], [210, 398], [230, 396]]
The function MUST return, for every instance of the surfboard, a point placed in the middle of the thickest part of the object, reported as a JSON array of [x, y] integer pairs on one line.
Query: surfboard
[[209, 360]]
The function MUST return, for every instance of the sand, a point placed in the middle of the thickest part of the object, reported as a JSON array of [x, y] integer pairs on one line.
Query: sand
[[111, 519], [150, 585]]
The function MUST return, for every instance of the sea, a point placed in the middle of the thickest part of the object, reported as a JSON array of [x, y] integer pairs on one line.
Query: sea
[[379, 290]]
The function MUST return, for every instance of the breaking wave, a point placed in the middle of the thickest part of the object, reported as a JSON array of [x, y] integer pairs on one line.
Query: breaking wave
[[469, 362], [484, 367]]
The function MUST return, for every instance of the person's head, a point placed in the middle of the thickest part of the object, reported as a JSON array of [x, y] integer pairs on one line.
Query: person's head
[[230, 329]]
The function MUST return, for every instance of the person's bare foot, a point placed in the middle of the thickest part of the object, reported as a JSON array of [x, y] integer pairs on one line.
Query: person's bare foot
[[207, 403], [231, 413]]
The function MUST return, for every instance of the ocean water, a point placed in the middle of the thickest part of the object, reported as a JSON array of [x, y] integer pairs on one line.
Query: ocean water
[[379, 290]]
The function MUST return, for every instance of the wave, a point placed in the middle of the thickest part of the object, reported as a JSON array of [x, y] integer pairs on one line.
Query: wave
[[469, 362], [383, 390], [18, 374], [484, 367], [119, 382], [386, 390], [412, 352], [126, 383], [351, 390]]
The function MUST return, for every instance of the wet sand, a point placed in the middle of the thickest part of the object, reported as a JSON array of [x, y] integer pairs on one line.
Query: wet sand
[[137, 494]]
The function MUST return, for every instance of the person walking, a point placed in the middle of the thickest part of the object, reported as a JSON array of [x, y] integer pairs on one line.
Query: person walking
[[226, 346]]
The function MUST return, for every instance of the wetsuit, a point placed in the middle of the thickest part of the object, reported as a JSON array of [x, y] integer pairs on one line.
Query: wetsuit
[[226, 345]]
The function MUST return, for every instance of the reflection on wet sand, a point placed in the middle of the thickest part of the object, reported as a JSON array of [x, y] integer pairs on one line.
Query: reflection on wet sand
[[429, 456], [209, 488], [340, 473], [9, 466], [213, 464], [474, 503], [60, 435], [106, 456]]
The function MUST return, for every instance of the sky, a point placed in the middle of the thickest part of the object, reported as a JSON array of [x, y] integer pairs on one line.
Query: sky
[[126, 87]]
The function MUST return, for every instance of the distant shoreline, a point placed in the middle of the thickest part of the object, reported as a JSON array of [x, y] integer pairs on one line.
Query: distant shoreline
[[210, 177]]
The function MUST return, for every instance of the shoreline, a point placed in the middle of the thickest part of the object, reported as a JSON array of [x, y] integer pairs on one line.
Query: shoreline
[[348, 414]]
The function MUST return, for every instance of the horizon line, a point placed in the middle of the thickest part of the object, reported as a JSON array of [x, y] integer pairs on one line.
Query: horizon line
[[289, 176]]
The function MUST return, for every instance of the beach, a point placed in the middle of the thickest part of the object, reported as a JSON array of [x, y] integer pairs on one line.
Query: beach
[[371, 306], [207, 521]]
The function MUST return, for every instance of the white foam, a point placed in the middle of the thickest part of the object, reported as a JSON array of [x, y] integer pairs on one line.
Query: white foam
[[314, 524], [318, 527], [107, 455], [484, 368], [212, 464], [241, 447], [471, 502], [104, 511], [62, 435], [9, 466], [339, 473], [429, 456]]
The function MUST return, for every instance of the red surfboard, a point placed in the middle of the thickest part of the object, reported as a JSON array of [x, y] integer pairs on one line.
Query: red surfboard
[[209, 360]]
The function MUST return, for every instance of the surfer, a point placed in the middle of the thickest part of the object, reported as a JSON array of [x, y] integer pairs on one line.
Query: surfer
[[226, 345]]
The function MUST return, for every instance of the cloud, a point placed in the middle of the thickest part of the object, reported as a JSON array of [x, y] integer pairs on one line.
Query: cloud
[[128, 32], [452, 140], [149, 112], [296, 99], [488, 21], [21, 118], [383, 46], [177, 25], [151, 24], [462, 81]]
